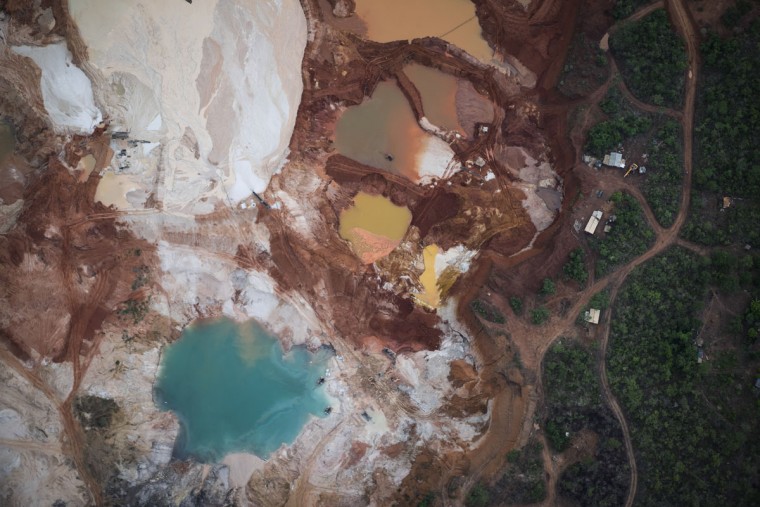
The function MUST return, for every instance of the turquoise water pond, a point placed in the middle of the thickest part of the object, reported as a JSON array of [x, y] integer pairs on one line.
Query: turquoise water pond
[[234, 390]]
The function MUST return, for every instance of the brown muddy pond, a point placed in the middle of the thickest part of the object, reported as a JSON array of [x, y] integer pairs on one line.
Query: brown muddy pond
[[439, 95], [451, 20], [382, 132]]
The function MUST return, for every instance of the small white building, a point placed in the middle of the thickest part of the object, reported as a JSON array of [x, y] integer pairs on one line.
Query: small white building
[[614, 159], [592, 316], [592, 224]]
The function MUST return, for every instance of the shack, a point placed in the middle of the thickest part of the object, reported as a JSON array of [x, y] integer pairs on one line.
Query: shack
[[593, 222], [614, 159], [592, 315]]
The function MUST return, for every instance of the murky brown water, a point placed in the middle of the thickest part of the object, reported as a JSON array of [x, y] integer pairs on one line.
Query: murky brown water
[[113, 189], [374, 226], [451, 20], [382, 132], [438, 91]]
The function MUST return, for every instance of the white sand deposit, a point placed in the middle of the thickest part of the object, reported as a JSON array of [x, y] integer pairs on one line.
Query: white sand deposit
[[228, 72], [66, 90]]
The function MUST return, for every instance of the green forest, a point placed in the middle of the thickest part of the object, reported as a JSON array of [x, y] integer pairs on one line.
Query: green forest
[[522, 482], [652, 59], [728, 115], [623, 122], [574, 402], [726, 155], [586, 67], [624, 8], [630, 236], [662, 188], [689, 450], [575, 267]]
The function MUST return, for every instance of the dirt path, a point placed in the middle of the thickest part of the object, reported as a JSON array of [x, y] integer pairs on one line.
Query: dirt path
[[644, 11], [72, 438], [664, 237], [613, 403], [302, 487], [649, 108]]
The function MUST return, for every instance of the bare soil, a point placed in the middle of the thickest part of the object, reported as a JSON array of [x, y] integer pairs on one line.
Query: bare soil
[[81, 262]]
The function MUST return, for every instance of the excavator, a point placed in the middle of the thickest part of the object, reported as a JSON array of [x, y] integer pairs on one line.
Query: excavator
[[631, 169]]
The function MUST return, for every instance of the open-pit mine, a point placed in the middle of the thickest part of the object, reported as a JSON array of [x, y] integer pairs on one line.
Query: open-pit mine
[[240, 239]]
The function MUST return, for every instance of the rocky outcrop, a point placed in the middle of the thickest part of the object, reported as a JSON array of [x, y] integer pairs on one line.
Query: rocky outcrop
[[343, 8]]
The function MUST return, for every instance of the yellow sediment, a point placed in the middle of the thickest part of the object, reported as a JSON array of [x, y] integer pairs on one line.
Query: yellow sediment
[[374, 226], [431, 296], [249, 346]]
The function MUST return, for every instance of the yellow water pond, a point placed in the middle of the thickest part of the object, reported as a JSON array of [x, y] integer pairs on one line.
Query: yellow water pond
[[374, 226], [431, 295]]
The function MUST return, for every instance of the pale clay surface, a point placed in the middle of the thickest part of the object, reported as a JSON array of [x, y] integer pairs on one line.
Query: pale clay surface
[[229, 72]]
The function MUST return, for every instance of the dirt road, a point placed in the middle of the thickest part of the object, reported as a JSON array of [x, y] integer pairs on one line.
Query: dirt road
[[667, 237], [72, 437]]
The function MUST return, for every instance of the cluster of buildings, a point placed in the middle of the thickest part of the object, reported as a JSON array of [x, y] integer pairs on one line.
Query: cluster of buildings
[[613, 159]]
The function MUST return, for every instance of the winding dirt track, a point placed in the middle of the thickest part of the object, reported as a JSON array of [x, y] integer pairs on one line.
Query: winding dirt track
[[72, 438], [665, 238]]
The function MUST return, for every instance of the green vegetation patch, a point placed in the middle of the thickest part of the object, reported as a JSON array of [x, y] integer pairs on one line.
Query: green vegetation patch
[[727, 158], [586, 67], [478, 497], [572, 387], [625, 8], [548, 287], [516, 304], [630, 236], [624, 122], [728, 115], [711, 224], [574, 402], [688, 451], [523, 481], [734, 13], [539, 315], [142, 276], [575, 267], [95, 412], [664, 179], [487, 311], [652, 59], [137, 309]]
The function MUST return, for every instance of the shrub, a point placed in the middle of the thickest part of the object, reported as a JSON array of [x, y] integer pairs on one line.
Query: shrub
[[539, 315]]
